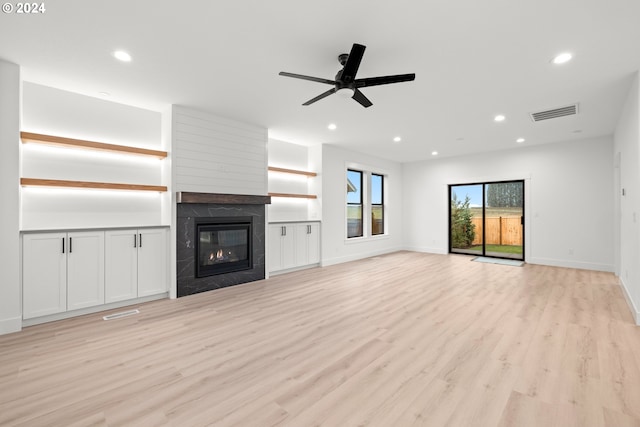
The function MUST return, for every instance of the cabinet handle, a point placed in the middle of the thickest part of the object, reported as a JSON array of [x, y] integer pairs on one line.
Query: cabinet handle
[[135, 240], [70, 244], [140, 245], [63, 245], [308, 229]]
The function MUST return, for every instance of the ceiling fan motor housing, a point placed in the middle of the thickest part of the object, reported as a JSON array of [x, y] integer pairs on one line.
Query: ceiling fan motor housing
[[346, 78]]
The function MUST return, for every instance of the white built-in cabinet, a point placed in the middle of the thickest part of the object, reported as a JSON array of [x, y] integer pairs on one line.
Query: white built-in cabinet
[[85, 269], [135, 263], [307, 243], [62, 271], [66, 271], [293, 245]]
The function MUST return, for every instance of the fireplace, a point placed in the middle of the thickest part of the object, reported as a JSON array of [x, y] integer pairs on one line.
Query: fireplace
[[220, 240], [223, 245]]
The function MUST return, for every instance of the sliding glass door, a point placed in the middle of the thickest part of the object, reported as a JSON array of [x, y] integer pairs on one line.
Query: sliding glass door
[[487, 219]]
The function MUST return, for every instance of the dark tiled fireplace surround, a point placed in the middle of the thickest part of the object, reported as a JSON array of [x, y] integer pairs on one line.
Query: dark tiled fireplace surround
[[194, 207]]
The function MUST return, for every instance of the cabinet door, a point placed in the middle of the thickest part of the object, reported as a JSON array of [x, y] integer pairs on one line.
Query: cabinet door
[[121, 265], [307, 244], [275, 247], [289, 246], [152, 261], [44, 274], [313, 243], [85, 269], [301, 245]]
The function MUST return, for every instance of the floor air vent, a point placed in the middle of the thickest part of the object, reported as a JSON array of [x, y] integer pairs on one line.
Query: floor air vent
[[569, 110], [121, 314]]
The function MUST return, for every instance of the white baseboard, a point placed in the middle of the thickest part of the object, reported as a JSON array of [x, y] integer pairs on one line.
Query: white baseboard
[[290, 270], [425, 249], [571, 264], [355, 257], [635, 312], [91, 310], [8, 326]]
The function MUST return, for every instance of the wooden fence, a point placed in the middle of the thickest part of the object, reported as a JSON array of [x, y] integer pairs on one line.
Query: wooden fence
[[500, 230]]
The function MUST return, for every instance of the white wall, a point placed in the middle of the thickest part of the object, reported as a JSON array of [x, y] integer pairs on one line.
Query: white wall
[[290, 156], [212, 154], [60, 113], [568, 200], [627, 173], [10, 300], [336, 248]]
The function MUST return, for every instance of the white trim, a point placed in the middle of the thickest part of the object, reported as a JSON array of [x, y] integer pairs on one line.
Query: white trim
[[91, 310], [570, 264], [8, 326], [635, 312], [290, 270], [365, 239], [359, 256], [426, 249]]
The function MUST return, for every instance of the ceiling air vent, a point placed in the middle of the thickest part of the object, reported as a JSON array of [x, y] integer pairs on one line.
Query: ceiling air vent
[[569, 110]]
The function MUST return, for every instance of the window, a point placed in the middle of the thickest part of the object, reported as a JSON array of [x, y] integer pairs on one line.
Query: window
[[365, 203], [354, 203], [377, 204]]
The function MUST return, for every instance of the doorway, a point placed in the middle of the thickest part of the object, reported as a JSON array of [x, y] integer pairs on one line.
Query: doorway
[[487, 219]]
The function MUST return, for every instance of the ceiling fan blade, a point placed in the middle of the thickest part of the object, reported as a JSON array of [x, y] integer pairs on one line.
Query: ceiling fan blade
[[384, 80], [313, 79], [353, 63], [319, 97], [363, 100]]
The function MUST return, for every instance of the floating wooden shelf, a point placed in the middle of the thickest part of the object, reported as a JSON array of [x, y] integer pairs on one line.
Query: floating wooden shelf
[[88, 184], [293, 171], [88, 145], [298, 196]]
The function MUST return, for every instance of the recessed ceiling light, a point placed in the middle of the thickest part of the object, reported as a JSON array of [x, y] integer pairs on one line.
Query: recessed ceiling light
[[122, 56], [520, 140], [499, 118], [397, 139], [434, 153], [562, 58], [332, 126]]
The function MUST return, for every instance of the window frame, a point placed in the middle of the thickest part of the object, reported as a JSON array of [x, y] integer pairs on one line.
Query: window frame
[[366, 197], [381, 204], [361, 204]]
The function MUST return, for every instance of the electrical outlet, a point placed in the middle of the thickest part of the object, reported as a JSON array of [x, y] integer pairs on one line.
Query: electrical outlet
[[570, 251]]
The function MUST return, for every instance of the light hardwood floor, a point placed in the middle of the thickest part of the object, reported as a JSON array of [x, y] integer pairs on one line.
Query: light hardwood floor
[[397, 340]]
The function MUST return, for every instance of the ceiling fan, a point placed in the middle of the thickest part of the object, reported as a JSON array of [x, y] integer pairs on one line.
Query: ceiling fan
[[346, 78]]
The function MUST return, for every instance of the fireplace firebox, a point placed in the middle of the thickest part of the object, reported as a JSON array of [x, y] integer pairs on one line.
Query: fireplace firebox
[[223, 245]]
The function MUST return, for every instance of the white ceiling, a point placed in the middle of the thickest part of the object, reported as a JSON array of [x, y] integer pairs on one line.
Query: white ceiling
[[473, 59]]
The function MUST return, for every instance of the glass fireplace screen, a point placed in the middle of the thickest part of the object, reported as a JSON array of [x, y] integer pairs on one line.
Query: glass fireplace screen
[[223, 248]]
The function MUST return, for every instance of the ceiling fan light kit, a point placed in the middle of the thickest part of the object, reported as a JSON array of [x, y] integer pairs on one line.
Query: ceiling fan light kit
[[345, 82]]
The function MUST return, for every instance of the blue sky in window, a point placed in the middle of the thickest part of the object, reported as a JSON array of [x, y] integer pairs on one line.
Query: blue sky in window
[[354, 178], [473, 191], [376, 189]]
